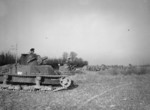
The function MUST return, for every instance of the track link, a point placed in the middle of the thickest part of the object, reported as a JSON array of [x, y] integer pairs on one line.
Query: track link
[[30, 88]]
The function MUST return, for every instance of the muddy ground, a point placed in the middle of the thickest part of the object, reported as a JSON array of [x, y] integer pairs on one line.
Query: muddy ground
[[92, 92]]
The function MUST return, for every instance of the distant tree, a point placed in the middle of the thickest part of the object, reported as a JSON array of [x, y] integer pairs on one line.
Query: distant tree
[[54, 62], [79, 62], [130, 65], [65, 56], [73, 56], [85, 63], [74, 60], [6, 58]]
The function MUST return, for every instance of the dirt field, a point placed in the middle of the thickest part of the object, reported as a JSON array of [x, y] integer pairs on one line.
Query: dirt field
[[92, 92]]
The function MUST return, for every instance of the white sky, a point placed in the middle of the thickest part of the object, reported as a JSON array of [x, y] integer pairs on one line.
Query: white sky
[[100, 31]]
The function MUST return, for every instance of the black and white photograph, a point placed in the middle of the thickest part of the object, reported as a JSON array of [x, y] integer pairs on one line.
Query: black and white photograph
[[74, 54]]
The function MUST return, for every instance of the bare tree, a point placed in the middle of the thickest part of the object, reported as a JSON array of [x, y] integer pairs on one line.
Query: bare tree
[[73, 56], [65, 56]]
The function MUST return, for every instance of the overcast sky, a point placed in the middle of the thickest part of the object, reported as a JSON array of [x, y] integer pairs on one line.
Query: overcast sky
[[100, 31]]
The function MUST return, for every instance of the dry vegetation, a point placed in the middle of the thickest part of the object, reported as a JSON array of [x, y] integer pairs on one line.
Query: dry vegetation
[[117, 70], [92, 92]]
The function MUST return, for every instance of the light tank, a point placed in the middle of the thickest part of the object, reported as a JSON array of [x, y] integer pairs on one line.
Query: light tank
[[32, 77]]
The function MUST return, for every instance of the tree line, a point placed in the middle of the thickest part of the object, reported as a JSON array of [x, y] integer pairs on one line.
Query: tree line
[[6, 58], [9, 58], [72, 56]]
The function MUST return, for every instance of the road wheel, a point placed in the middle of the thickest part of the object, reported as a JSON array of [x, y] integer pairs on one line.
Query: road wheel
[[65, 82]]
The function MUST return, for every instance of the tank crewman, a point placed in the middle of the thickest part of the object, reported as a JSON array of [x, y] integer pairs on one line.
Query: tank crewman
[[32, 58]]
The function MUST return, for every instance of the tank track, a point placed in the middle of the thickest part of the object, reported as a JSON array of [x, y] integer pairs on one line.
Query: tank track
[[8, 84], [30, 88], [25, 88]]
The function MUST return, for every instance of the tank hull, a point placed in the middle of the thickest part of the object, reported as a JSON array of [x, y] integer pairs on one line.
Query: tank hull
[[37, 76], [31, 79]]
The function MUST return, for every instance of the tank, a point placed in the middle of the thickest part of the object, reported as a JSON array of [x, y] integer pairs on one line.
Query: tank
[[32, 77]]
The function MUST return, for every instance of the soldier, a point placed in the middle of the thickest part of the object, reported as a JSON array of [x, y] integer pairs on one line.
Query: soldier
[[70, 64], [32, 57]]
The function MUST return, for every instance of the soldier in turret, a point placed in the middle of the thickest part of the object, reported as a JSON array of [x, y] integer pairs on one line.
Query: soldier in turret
[[32, 58]]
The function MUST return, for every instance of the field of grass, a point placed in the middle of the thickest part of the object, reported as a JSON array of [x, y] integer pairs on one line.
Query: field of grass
[[92, 91]]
